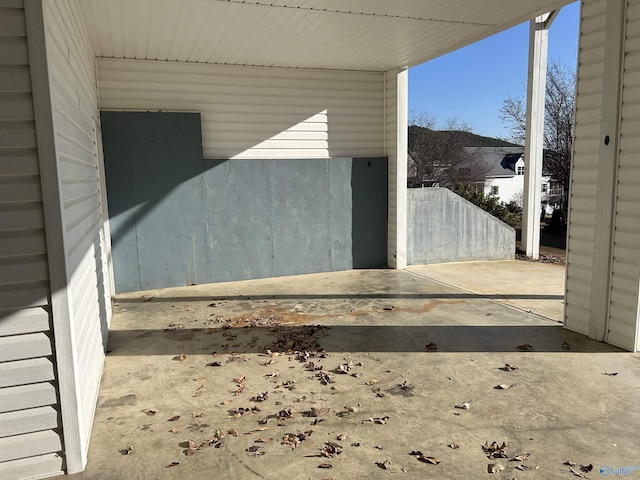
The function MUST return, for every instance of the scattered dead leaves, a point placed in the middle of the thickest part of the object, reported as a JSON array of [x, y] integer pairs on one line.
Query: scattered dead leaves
[[317, 411], [331, 449], [324, 378], [172, 464], [464, 405], [126, 451], [453, 446], [508, 368], [424, 458], [254, 451], [521, 458], [495, 467], [377, 420], [384, 465], [260, 397], [295, 439], [325, 465], [242, 411], [344, 368], [174, 418], [214, 364], [495, 450], [150, 412], [504, 386], [179, 358], [378, 392], [199, 391]]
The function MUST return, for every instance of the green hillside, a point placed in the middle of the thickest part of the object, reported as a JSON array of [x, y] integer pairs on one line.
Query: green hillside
[[468, 139]]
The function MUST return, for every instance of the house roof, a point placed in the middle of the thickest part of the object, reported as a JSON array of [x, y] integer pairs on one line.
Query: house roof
[[499, 161], [373, 35]]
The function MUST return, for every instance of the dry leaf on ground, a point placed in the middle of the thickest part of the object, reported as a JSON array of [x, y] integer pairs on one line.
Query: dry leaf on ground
[[174, 418], [495, 467], [508, 368], [199, 391], [464, 405], [431, 347], [325, 465], [504, 386], [426, 459], [254, 451], [577, 473], [384, 465], [453, 445], [172, 464], [126, 451], [524, 347], [331, 449], [495, 450], [260, 397]]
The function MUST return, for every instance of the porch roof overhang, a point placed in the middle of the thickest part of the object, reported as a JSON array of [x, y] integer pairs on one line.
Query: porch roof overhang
[[369, 35]]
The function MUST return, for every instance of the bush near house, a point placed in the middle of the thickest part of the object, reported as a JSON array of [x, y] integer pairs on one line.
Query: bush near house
[[489, 203]]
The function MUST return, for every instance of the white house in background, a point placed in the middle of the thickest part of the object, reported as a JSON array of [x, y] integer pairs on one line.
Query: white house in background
[[504, 176]]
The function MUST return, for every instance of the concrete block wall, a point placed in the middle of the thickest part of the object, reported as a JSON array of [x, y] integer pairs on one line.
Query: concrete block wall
[[444, 227]]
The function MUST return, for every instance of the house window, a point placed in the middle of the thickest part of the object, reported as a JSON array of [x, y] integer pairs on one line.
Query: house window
[[520, 170], [494, 190], [545, 187]]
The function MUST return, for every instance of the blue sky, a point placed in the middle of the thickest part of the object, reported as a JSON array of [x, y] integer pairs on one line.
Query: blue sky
[[471, 83]]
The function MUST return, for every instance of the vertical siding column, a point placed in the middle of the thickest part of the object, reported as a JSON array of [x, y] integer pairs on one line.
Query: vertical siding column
[[396, 141], [52, 205], [607, 168]]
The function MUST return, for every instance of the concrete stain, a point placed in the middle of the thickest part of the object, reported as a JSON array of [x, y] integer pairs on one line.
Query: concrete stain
[[120, 401]]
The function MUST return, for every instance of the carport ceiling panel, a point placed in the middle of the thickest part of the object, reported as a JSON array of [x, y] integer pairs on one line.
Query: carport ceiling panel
[[335, 34]]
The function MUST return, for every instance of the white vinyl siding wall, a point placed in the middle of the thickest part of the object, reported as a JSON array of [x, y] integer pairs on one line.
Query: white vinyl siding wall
[[584, 170], [256, 112], [75, 120], [30, 443], [625, 261]]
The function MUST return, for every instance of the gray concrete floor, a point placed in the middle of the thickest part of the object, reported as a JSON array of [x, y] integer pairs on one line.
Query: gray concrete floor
[[393, 395]]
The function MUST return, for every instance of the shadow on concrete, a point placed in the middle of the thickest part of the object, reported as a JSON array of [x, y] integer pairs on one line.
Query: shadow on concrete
[[222, 343], [346, 296]]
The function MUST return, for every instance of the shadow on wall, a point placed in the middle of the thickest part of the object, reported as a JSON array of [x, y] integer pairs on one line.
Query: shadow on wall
[[178, 219]]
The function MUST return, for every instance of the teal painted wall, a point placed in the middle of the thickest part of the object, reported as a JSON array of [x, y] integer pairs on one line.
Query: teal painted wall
[[178, 219]]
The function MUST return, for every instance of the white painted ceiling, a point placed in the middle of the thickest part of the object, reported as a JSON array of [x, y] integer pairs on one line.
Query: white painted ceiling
[[371, 35]]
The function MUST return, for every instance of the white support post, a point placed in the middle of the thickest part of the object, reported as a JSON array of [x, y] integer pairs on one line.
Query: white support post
[[533, 147], [396, 143]]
